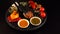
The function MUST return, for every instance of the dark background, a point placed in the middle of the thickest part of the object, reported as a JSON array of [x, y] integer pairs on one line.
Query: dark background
[[52, 25]]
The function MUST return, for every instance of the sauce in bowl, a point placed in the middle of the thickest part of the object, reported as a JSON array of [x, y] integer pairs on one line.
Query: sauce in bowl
[[23, 23], [35, 21]]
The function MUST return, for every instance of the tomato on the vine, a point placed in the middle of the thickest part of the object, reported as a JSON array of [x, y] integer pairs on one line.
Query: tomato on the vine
[[43, 14], [42, 9], [32, 4]]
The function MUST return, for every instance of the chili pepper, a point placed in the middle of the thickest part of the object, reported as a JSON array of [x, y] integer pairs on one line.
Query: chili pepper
[[14, 20]]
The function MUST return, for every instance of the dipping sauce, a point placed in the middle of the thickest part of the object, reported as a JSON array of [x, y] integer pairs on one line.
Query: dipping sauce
[[23, 23], [35, 21]]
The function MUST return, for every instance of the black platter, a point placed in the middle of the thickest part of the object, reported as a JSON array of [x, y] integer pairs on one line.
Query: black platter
[[21, 11]]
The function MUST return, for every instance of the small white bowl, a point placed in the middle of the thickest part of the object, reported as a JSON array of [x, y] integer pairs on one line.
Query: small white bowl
[[20, 21], [35, 24]]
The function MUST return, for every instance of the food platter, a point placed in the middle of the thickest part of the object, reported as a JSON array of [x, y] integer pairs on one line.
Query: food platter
[[26, 16]]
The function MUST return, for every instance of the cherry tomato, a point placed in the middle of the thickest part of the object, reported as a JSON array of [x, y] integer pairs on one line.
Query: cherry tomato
[[32, 4], [43, 14], [42, 9]]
